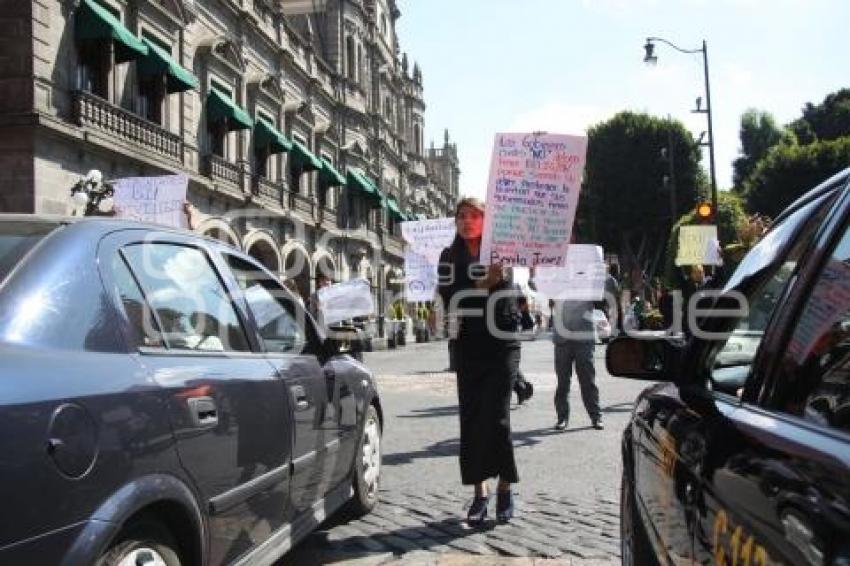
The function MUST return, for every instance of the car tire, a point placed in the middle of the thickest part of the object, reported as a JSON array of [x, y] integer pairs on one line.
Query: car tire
[[634, 547], [143, 541], [366, 471]]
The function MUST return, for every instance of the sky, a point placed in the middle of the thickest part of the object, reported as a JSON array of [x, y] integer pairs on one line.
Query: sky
[[562, 65]]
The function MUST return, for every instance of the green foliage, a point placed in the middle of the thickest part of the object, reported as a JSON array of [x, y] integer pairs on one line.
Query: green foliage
[[787, 172], [625, 205], [759, 133], [828, 120], [730, 216]]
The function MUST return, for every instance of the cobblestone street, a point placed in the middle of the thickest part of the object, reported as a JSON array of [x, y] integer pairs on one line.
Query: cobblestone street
[[567, 498]]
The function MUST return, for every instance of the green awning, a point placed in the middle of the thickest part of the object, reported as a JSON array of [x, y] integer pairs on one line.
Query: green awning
[[158, 61], [305, 159], [266, 135], [93, 21], [359, 180], [421, 216], [329, 176], [394, 209], [221, 107], [408, 215]]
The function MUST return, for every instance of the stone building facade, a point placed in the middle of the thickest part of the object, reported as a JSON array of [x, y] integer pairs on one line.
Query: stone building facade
[[301, 134]]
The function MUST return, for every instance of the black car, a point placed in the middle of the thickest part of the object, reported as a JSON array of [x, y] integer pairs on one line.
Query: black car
[[741, 455], [165, 400]]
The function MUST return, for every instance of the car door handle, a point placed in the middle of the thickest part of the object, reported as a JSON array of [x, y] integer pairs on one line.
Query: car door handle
[[302, 402], [203, 411]]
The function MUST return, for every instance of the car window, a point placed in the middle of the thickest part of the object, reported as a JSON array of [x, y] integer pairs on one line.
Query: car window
[[282, 325], [16, 239], [143, 328], [732, 363], [818, 386], [188, 300]]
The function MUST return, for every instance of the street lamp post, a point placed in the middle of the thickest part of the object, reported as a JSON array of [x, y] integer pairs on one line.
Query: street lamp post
[[651, 58]]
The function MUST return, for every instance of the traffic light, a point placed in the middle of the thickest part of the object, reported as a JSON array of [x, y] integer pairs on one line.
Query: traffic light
[[705, 212]]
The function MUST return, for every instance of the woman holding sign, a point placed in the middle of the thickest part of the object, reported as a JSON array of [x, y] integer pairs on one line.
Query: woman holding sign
[[484, 367]]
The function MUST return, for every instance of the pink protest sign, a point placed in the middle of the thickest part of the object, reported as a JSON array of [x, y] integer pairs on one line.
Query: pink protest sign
[[532, 198]]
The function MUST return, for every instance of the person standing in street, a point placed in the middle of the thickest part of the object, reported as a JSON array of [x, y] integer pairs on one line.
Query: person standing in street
[[485, 364], [574, 341]]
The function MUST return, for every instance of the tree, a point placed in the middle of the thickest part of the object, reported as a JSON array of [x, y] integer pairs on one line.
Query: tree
[[828, 120], [759, 133], [625, 205], [787, 172]]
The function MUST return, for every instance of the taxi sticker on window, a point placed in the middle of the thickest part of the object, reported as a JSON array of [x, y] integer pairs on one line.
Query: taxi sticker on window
[[735, 547]]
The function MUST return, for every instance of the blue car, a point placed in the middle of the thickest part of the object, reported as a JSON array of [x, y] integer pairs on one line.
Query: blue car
[[165, 400]]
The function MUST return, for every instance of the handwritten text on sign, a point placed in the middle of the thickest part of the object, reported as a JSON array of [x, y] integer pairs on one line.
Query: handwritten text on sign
[[425, 240], [698, 246], [531, 198], [158, 200]]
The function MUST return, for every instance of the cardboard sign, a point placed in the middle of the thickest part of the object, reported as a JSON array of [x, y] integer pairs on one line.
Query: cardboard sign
[[582, 278], [698, 245], [532, 197], [158, 200], [424, 240], [345, 301]]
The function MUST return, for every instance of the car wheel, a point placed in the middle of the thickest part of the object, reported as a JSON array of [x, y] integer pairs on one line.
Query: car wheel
[[634, 548], [367, 465], [142, 543]]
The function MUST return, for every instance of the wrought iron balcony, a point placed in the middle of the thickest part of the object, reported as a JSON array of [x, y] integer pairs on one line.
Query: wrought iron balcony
[[94, 112]]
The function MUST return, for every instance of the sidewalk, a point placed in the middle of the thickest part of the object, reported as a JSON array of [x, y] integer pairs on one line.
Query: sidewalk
[[425, 558]]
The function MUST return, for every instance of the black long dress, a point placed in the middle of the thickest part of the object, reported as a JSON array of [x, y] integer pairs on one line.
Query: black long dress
[[484, 373]]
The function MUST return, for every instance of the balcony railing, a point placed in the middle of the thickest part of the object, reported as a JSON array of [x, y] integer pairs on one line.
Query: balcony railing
[[94, 112], [394, 245], [220, 169], [267, 189]]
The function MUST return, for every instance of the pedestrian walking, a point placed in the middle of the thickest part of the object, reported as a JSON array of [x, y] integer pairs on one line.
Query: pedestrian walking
[[484, 364], [573, 337]]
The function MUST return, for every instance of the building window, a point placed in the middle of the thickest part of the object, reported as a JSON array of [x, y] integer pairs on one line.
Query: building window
[[218, 132], [350, 59], [262, 155], [297, 181], [94, 66], [359, 78], [417, 138], [384, 25]]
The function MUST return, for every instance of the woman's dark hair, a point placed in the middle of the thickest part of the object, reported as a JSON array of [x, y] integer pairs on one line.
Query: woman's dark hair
[[470, 202]]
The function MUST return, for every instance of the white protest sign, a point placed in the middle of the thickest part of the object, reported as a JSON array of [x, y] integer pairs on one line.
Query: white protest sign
[[158, 200], [424, 239], [532, 197], [346, 300], [582, 278], [698, 245]]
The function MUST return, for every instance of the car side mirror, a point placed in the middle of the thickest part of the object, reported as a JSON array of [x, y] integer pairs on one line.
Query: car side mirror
[[653, 359]]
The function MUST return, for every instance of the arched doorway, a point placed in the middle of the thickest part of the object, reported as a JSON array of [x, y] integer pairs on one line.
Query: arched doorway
[[262, 247], [220, 230], [325, 265], [298, 269]]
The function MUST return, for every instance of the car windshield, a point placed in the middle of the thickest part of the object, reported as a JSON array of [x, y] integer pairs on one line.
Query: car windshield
[[18, 238]]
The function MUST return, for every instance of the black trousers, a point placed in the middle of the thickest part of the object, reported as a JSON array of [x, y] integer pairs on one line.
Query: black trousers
[[484, 394]]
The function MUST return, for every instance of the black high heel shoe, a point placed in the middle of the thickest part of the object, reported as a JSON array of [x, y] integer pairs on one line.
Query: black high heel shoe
[[504, 506], [478, 511]]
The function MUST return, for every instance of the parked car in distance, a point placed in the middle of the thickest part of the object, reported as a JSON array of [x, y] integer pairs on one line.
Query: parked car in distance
[[740, 454], [165, 400]]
